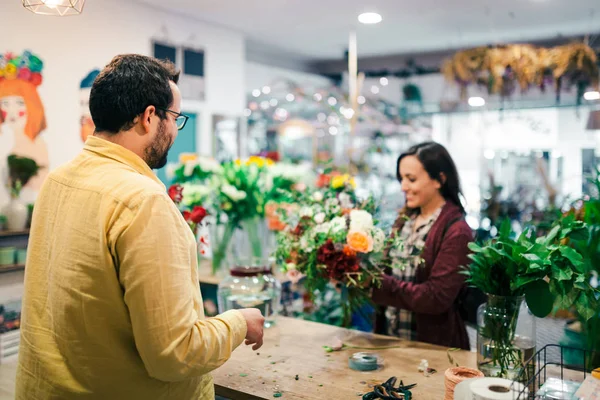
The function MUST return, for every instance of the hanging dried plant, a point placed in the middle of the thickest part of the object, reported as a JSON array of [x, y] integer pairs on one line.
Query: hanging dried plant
[[501, 69]]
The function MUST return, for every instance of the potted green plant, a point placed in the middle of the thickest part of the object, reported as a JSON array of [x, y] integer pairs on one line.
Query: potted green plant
[[2, 222], [588, 335], [525, 276], [20, 171]]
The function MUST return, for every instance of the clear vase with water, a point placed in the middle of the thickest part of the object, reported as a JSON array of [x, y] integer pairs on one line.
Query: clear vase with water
[[251, 284], [506, 336]]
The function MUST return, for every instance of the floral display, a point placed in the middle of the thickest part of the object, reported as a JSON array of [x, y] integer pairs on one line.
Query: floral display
[[333, 237], [239, 196]]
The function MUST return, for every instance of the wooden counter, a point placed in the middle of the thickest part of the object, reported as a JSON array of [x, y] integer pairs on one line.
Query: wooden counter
[[295, 347]]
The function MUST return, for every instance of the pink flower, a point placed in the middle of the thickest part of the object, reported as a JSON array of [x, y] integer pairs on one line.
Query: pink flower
[[294, 276]]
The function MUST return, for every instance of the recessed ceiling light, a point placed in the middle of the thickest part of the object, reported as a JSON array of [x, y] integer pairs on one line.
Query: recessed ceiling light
[[593, 95], [369, 18], [476, 101]]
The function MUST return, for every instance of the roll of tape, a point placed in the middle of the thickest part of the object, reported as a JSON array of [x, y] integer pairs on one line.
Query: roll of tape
[[364, 361], [490, 389]]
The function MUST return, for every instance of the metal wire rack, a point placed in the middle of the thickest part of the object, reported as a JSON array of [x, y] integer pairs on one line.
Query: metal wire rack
[[548, 365]]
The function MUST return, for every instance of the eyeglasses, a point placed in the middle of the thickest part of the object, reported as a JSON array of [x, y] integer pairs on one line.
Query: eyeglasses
[[180, 119]]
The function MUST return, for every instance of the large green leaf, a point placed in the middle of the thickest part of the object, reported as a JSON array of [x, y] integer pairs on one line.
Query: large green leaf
[[534, 258], [584, 308], [539, 299], [524, 280], [573, 256], [474, 247], [561, 272], [579, 234], [580, 282], [505, 229], [551, 236]]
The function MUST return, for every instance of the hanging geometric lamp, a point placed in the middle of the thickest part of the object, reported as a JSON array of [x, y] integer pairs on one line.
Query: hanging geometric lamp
[[59, 8]]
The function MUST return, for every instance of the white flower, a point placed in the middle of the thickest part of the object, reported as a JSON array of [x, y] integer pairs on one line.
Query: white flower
[[193, 194], [306, 212], [332, 206], [233, 193], [170, 171], [317, 196], [338, 224], [332, 202], [305, 245], [378, 239], [322, 228], [320, 218], [345, 200], [188, 168], [361, 220], [209, 164]]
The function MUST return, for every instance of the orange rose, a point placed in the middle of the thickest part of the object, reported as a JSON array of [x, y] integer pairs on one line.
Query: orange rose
[[360, 242]]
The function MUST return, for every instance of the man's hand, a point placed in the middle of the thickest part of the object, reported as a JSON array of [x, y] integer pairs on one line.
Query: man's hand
[[255, 322]]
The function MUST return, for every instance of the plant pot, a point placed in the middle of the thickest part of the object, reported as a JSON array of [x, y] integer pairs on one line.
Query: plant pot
[[506, 336], [17, 214]]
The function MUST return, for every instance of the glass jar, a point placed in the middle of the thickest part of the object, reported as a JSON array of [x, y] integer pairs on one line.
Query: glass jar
[[506, 336], [251, 284]]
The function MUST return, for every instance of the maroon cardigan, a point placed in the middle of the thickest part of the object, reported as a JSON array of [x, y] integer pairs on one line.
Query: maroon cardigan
[[437, 284]]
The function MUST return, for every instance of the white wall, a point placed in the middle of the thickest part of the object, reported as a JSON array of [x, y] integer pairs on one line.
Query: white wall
[[70, 47]]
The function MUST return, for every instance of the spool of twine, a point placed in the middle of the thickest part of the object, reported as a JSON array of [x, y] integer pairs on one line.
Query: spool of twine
[[456, 375]]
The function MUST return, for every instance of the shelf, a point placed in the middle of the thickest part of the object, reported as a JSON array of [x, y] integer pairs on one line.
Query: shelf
[[14, 233], [10, 268]]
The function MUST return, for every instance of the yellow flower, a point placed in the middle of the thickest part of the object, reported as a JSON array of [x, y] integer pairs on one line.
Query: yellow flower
[[238, 162], [185, 157], [10, 71], [340, 181]]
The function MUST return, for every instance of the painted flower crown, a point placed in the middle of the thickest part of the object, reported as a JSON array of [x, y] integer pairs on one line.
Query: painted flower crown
[[27, 67]]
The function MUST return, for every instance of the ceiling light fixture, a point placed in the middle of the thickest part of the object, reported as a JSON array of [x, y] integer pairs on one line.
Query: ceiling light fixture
[[592, 95], [369, 18], [61, 8], [476, 101]]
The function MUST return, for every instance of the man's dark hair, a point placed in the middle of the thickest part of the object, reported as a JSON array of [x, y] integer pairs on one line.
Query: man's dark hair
[[126, 87]]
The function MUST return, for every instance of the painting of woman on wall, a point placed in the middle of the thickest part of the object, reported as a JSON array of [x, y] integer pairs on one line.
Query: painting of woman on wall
[[87, 125], [22, 116]]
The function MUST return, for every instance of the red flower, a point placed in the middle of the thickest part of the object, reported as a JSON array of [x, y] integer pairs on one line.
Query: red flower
[[339, 260], [176, 193], [323, 180], [198, 214]]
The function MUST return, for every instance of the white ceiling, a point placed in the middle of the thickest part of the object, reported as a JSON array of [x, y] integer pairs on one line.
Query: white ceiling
[[318, 29]]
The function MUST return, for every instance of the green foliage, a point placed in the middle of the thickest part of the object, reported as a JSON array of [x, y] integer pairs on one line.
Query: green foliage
[[549, 270], [20, 171]]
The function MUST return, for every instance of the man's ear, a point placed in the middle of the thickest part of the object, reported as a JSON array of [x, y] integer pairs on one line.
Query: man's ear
[[146, 118]]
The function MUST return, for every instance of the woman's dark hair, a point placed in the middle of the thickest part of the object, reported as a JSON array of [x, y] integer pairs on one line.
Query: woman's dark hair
[[126, 87], [439, 166]]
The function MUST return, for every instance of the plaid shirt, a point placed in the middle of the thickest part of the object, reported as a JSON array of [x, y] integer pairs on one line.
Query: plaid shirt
[[406, 260]]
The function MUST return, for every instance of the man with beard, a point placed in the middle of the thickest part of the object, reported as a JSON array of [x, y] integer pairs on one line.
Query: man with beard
[[112, 306]]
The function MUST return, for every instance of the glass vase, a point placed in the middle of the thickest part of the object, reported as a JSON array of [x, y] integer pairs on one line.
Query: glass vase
[[252, 238], [251, 284], [506, 336]]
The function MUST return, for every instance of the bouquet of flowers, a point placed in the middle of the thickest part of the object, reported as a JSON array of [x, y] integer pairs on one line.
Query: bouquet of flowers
[[333, 237]]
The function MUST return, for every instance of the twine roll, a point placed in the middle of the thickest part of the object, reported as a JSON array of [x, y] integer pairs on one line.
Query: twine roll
[[454, 376]]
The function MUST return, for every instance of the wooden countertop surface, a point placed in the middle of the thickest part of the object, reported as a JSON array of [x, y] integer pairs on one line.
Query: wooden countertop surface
[[295, 347]]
